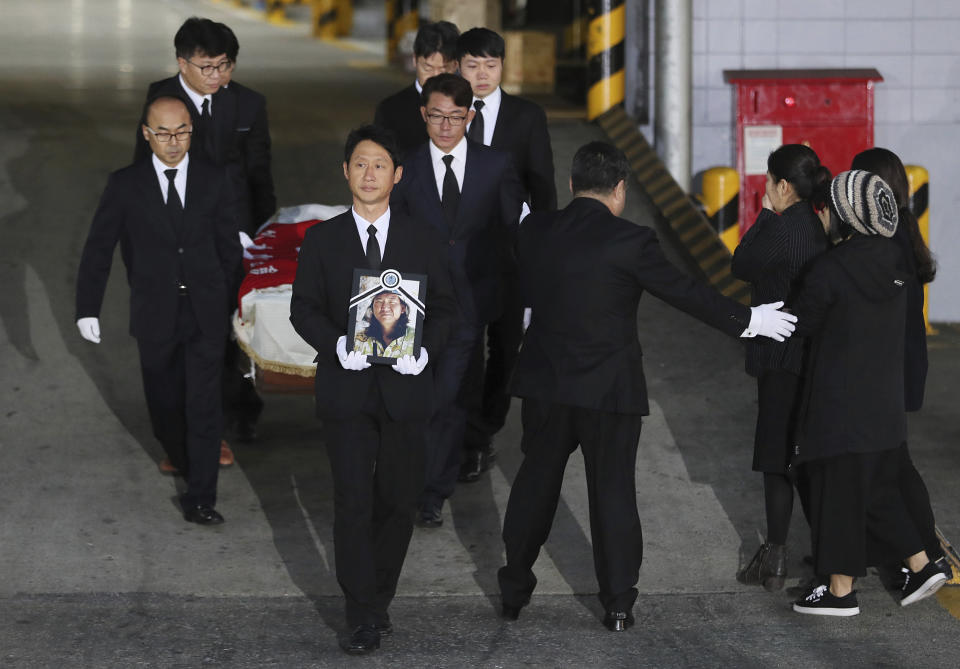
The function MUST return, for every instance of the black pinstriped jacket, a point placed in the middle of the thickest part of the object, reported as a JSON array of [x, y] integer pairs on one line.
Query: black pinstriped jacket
[[772, 257]]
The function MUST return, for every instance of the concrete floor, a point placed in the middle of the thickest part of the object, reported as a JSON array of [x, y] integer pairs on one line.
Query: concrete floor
[[97, 569]]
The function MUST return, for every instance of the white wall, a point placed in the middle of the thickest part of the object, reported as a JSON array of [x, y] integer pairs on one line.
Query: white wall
[[915, 44]]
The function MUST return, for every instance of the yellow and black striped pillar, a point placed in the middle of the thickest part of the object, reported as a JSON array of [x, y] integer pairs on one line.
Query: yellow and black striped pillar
[[276, 10], [721, 202], [344, 17], [918, 185], [606, 79], [402, 17], [325, 19]]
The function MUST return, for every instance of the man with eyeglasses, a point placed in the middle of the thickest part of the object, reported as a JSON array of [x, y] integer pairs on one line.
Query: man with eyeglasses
[[230, 129], [173, 214], [470, 196], [434, 52]]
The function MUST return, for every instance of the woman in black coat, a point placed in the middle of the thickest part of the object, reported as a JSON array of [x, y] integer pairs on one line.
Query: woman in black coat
[[852, 306], [917, 263], [772, 256]]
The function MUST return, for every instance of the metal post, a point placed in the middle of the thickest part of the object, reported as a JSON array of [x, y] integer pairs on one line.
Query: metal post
[[605, 55], [674, 75]]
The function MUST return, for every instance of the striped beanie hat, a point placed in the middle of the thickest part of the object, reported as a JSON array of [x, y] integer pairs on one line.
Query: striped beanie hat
[[865, 202]]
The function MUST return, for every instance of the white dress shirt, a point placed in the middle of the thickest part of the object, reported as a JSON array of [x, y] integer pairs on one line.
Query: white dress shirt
[[459, 164], [179, 181], [382, 225], [490, 111], [196, 97]]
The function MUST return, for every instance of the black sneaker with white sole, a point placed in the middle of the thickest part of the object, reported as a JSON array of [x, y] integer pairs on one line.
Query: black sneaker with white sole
[[922, 584], [821, 602]]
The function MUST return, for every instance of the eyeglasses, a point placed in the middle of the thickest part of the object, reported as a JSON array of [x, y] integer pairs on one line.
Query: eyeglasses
[[182, 135], [438, 119], [208, 70]]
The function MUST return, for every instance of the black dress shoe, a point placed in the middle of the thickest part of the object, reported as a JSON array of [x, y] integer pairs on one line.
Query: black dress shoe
[[246, 430], [510, 612], [475, 463], [430, 515], [384, 628], [618, 621], [472, 467], [363, 639], [202, 515]]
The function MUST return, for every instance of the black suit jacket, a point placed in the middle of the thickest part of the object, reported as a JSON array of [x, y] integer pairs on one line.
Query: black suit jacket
[[320, 305], [241, 143], [401, 113], [583, 271], [522, 129], [204, 256], [481, 244]]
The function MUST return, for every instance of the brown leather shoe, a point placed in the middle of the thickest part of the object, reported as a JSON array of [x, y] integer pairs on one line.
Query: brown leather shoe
[[226, 455], [166, 467]]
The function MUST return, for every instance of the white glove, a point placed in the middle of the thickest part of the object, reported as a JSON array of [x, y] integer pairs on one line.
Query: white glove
[[527, 315], [353, 361], [767, 320], [407, 365], [89, 328]]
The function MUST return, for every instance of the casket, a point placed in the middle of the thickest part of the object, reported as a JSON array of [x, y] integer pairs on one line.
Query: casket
[[281, 361]]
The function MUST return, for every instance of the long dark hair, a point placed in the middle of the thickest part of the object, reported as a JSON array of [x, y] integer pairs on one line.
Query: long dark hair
[[885, 164], [800, 166], [375, 329]]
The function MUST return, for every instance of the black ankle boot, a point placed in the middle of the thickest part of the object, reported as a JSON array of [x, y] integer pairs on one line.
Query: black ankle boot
[[773, 568], [750, 575]]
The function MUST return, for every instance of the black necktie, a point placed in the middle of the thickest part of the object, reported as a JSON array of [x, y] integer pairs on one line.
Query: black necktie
[[373, 248], [451, 193], [173, 197], [174, 204], [476, 125], [206, 129]]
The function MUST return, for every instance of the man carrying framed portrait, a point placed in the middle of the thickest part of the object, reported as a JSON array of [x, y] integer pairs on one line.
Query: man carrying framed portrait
[[358, 276]]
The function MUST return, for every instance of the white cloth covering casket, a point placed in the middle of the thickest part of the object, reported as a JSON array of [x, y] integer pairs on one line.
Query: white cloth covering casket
[[264, 331]]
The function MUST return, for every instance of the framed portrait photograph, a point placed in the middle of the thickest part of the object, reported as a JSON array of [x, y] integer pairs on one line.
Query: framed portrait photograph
[[386, 315]]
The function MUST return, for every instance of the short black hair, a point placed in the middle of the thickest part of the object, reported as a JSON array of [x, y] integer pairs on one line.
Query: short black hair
[[482, 43], [230, 41], [440, 37], [199, 35], [453, 86], [597, 168], [376, 134]]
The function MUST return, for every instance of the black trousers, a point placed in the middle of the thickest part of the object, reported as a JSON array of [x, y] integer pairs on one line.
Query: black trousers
[[490, 369], [551, 432], [377, 466], [181, 382], [446, 427], [240, 398], [856, 512]]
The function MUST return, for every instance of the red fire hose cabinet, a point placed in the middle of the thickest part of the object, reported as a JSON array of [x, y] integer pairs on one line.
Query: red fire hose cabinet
[[831, 111]]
